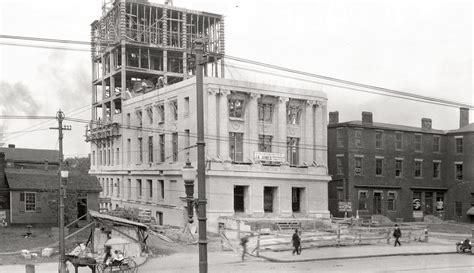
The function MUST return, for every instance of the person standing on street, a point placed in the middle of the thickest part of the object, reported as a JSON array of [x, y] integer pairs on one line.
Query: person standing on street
[[243, 242], [397, 233], [296, 242]]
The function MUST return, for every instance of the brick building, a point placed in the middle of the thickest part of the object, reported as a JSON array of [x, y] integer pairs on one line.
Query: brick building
[[401, 171]]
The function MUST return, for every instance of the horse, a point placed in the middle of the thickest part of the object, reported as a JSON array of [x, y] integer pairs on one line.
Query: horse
[[81, 262]]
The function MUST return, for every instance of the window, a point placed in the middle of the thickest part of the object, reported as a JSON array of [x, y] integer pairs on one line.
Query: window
[[379, 166], [140, 118], [378, 139], [436, 144], [162, 148], [118, 187], [186, 106], [129, 189], [296, 199], [362, 200], [139, 188], [418, 167], [107, 185], [265, 143], [339, 169], [240, 193], [340, 194], [292, 150], [293, 114], [398, 167], [418, 143], [458, 209], [358, 165], [150, 149], [392, 201], [128, 120], [187, 141], [339, 137], [93, 158], [436, 169], [161, 113], [129, 151], [265, 112], [236, 108], [439, 201], [236, 147], [162, 188], [150, 188], [458, 170], [398, 140], [117, 156], [459, 148], [174, 109], [159, 217], [28, 200], [112, 186], [268, 199], [358, 137], [100, 157], [149, 112], [175, 147], [140, 150]]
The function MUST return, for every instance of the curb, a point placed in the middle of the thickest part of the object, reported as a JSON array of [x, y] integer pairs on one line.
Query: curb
[[353, 257]]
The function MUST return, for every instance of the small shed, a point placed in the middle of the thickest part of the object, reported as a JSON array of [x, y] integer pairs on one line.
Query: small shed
[[122, 234]]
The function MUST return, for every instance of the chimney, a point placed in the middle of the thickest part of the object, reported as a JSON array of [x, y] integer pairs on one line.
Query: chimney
[[426, 124], [333, 117], [463, 117], [366, 118], [11, 145]]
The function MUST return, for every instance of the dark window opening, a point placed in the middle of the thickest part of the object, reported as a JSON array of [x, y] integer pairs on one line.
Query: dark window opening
[[239, 198]]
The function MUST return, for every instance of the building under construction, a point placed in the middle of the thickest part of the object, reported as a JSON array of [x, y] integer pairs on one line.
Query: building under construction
[[138, 46]]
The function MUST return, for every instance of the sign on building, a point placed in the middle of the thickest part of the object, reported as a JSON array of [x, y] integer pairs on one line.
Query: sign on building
[[269, 157], [345, 206]]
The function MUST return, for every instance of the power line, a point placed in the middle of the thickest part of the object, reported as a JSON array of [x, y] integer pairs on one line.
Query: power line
[[418, 98]]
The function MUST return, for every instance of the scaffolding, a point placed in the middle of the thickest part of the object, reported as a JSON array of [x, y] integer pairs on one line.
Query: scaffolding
[[138, 46]]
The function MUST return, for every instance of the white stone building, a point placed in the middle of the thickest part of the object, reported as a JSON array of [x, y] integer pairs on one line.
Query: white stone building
[[266, 151]]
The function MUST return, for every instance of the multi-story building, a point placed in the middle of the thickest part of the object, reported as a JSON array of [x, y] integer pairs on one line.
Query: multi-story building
[[400, 171], [265, 151]]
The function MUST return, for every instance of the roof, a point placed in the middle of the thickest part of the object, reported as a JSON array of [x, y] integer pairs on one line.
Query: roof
[[95, 214], [395, 127], [22, 154], [29, 179], [464, 129]]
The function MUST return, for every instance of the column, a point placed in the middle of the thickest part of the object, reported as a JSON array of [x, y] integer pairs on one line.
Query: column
[[211, 125], [224, 124], [251, 140], [324, 113], [320, 139], [308, 142], [281, 138]]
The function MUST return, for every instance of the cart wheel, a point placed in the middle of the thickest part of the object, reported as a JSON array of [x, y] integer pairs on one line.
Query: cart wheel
[[459, 249], [129, 265]]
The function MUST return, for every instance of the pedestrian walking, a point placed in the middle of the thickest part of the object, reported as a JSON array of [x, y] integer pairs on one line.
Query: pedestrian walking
[[397, 233], [296, 242], [243, 242]]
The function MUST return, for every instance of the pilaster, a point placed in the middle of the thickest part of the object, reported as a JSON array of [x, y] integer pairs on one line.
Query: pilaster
[[281, 138], [251, 142], [308, 143], [211, 142], [224, 124]]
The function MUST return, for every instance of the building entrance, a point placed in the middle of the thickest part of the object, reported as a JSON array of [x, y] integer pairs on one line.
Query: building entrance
[[377, 203], [428, 203]]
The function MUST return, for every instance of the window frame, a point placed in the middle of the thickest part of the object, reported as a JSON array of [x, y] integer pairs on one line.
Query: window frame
[[236, 108], [358, 135], [265, 143], [438, 171], [399, 142], [418, 145], [456, 176], [397, 160], [420, 162], [293, 150], [379, 139], [393, 201], [26, 193], [175, 146], [339, 164], [263, 115], [436, 144], [236, 146], [379, 160], [458, 143], [360, 159], [339, 137], [365, 200]]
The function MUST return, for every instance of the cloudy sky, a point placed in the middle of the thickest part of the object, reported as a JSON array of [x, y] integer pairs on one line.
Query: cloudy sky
[[422, 47]]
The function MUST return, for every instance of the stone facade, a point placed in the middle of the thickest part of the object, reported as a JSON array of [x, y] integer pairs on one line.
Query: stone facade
[[140, 166], [400, 171]]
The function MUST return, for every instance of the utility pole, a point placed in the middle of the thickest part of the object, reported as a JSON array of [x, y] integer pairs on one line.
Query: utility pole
[[201, 163], [62, 191]]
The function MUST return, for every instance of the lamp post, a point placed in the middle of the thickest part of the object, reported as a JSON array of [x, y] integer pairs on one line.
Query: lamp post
[[62, 193], [189, 174]]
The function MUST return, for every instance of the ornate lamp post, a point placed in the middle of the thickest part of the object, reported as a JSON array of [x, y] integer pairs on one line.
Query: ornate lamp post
[[189, 174]]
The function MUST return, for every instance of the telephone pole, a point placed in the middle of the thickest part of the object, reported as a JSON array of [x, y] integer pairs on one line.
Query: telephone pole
[[62, 191], [201, 163]]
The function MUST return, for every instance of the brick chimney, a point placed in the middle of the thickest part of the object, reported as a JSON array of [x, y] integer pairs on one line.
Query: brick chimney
[[463, 117], [367, 118], [333, 117], [426, 124]]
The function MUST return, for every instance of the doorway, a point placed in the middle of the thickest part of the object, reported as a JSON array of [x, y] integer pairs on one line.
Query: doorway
[[428, 203], [81, 206], [377, 203]]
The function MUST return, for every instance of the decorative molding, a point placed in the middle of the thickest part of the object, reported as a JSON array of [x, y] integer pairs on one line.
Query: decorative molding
[[254, 96], [283, 99], [311, 103], [320, 103], [224, 92], [212, 91]]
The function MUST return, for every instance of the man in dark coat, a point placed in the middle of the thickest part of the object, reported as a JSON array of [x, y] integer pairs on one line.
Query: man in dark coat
[[296, 242], [397, 233]]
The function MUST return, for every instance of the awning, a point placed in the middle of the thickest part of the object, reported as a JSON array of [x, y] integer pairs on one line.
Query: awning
[[470, 211]]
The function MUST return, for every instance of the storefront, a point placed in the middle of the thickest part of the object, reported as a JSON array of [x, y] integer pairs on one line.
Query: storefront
[[428, 201]]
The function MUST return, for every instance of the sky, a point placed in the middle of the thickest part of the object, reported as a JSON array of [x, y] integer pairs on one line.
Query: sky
[[421, 47]]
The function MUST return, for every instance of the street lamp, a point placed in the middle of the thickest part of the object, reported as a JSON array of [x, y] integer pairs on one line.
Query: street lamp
[[62, 193], [189, 174]]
